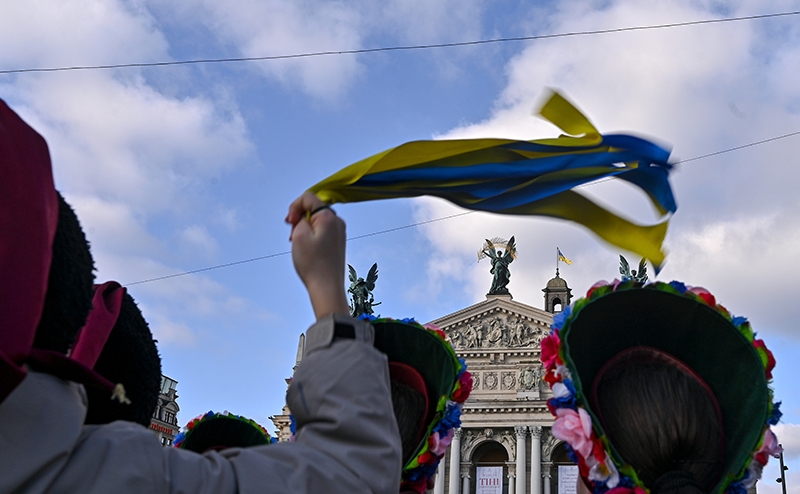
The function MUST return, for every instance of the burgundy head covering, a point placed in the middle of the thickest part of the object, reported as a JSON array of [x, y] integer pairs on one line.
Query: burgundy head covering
[[28, 217], [106, 305]]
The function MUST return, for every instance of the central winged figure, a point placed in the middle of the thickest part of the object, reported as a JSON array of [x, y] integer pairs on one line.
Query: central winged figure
[[500, 263]]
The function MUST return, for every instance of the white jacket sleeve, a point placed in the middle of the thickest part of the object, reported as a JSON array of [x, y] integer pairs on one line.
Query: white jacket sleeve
[[347, 439]]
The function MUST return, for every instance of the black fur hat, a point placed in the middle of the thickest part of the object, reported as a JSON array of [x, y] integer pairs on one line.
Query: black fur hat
[[129, 357], [70, 285]]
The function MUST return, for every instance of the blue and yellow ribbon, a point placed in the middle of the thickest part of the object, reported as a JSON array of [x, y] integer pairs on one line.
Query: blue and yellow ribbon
[[523, 177]]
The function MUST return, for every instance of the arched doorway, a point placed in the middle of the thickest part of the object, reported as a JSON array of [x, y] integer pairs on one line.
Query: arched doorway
[[490, 454], [560, 457]]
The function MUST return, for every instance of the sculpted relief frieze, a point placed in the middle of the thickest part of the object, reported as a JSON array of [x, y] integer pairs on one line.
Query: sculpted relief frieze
[[496, 331]]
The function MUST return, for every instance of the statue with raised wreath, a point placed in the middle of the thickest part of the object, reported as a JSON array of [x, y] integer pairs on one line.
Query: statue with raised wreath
[[361, 291], [501, 259]]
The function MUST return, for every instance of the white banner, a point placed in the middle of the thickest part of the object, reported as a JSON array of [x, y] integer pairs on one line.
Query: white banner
[[567, 479], [490, 480]]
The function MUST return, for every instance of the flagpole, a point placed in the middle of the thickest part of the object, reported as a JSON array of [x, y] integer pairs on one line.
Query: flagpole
[[557, 250]]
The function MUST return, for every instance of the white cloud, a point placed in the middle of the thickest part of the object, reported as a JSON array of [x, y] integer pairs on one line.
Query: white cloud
[[702, 90], [259, 28], [170, 333], [126, 153], [198, 242], [789, 438], [41, 33]]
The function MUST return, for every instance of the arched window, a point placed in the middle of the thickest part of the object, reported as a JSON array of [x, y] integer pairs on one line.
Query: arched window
[[490, 454], [560, 458]]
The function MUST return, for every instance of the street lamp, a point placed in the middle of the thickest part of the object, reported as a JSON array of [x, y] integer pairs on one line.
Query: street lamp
[[782, 479]]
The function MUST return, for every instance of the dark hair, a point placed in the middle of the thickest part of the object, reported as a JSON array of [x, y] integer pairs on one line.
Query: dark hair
[[70, 285], [659, 417], [409, 411], [129, 357]]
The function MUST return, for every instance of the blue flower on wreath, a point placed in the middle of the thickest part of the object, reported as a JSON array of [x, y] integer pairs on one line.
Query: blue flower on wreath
[[568, 401], [681, 287], [292, 424], [451, 418], [561, 317], [463, 367], [366, 317], [408, 320], [776, 414], [738, 321]]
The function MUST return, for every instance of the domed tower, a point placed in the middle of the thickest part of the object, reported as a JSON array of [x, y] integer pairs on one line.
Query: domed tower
[[557, 294]]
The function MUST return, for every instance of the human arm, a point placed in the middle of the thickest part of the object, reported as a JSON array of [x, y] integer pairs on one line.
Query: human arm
[[318, 248]]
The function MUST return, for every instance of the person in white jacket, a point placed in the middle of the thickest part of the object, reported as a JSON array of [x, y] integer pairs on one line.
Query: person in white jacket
[[346, 441]]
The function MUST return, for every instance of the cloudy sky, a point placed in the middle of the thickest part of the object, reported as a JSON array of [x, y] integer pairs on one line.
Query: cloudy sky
[[180, 168]]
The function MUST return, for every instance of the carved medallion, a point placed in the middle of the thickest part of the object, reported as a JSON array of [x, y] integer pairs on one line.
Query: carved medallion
[[490, 380], [529, 378], [507, 380], [476, 380]]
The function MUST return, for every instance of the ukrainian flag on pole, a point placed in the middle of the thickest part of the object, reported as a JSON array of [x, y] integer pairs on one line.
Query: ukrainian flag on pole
[[562, 257]]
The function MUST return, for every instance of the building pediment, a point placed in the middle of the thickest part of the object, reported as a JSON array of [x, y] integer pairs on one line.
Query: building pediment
[[496, 323]]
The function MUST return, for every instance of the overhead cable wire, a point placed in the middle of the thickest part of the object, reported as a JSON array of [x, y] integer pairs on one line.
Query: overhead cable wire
[[381, 232], [260, 258], [400, 48]]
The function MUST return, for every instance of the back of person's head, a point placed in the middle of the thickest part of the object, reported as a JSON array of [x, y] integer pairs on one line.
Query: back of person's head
[[409, 411], [660, 417], [659, 388], [129, 357], [429, 386], [70, 285]]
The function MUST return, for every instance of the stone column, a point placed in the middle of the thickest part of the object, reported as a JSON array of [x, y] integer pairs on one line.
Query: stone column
[[546, 478], [520, 430], [455, 461], [465, 478], [536, 459], [438, 486], [512, 472]]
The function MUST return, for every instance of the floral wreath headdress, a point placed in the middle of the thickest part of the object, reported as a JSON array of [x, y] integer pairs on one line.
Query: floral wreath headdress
[[217, 431], [682, 322], [446, 380]]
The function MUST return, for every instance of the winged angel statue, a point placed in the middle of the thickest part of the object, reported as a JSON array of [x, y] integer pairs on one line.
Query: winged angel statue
[[627, 274], [361, 290], [500, 262]]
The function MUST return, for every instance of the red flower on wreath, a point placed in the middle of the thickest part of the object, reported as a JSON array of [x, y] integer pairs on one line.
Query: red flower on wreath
[[465, 387], [759, 344], [550, 346]]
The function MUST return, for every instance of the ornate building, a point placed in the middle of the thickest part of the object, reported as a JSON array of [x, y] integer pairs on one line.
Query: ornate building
[[165, 417], [505, 423]]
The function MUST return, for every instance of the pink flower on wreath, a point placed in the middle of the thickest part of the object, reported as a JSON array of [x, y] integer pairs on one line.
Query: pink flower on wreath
[[705, 295], [550, 345], [574, 428], [438, 444], [769, 447], [596, 286]]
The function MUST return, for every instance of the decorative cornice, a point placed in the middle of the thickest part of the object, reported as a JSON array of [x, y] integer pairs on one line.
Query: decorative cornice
[[528, 407]]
